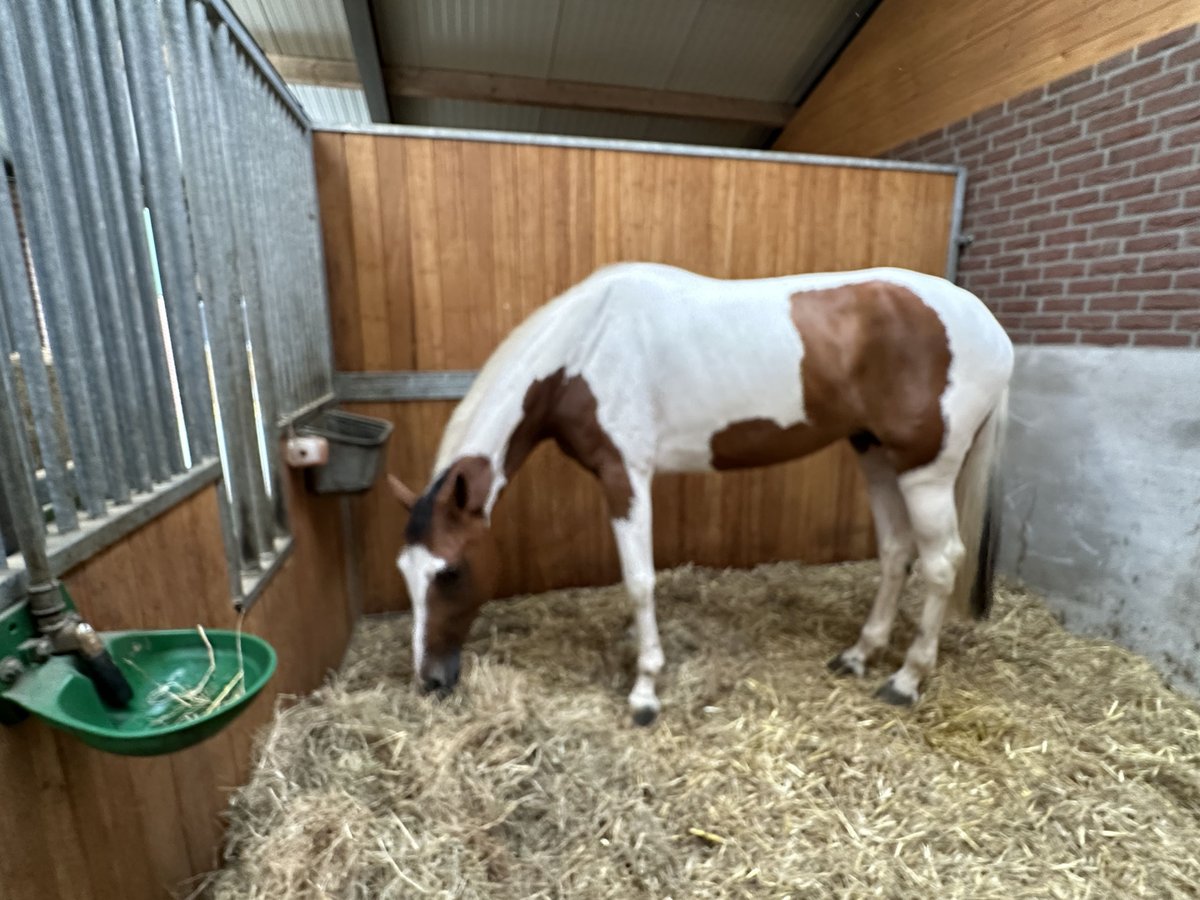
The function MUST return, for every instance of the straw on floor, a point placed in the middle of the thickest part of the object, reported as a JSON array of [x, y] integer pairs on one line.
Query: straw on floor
[[1038, 764]]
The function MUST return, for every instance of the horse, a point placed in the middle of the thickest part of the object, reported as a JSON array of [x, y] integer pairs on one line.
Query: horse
[[644, 368]]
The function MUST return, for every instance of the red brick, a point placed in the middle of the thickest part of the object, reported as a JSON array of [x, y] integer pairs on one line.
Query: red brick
[[1045, 289], [1113, 266], [972, 148], [1094, 215], [1091, 285], [1170, 160], [998, 159], [1114, 62], [1188, 95], [1116, 229], [1144, 321], [1136, 73], [1137, 188], [1120, 303], [1055, 337], [1090, 322], [1166, 42], [1094, 250], [1029, 210], [1184, 301], [1064, 270], [1136, 150], [1034, 176], [1077, 95], [989, 116], [1042, 320], [1062, 117], [1009, 230], [1025, 163], [1185, 55], [1074, 148], [1069, 81], [975, 280], [1152, 242], [1009, 136], [1185, 280], [1020, 276], [1047, 223], [1006, 262], [1171, 262], [1108, 174], [1185, 116], [1126, 133], [1177, 180], [1158, 282], [1151, 86], [994, 217], [1111, 99], [1052, 255], [1062, 304], [1177, 219], [1022, 100], [1105, 338], [1156, 203], [1059, 186], [1061, 134], [1019, 335], [1078, 199], [1022, 195], [1162, 339], [1090, 163], [1189, 321], [1009, 320], [1065, 236], [1020, 306], [1024, 242], [1112, 119]]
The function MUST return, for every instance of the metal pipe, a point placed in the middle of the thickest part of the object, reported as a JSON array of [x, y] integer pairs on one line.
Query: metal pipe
[[104, 315], [151, 99], [148, 411], [26, 134], [26, 340]]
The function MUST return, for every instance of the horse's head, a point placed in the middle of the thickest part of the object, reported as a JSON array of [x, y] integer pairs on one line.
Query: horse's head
[[449, 563]]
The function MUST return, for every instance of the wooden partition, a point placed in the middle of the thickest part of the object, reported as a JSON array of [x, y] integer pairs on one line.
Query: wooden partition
[[78, 824], [436, 248]]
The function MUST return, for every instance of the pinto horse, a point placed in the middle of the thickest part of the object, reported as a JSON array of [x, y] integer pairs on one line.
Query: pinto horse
[[645, 368]]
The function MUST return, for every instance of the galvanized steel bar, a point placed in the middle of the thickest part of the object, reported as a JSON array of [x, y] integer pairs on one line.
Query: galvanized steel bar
[[16, 473], [124, 221], [15, 296], [254, 53], [400, 385], [104, 316], [248, 224], [151, 98], [27, 134]]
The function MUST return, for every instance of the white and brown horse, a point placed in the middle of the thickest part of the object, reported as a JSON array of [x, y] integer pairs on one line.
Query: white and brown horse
[[646, 368]]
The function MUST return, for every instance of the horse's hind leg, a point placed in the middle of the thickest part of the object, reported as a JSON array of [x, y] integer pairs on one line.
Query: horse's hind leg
[[896, 548], [929, 496], [635, 544]]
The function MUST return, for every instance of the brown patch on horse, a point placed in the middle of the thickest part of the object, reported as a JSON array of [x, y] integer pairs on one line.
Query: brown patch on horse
[[876, 362], [564, 409]]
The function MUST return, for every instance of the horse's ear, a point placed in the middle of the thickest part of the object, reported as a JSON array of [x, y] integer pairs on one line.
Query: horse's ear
[[402, 491], [472, 483]]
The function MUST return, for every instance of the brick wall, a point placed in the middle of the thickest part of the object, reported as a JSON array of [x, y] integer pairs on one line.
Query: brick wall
[[1083, 200]]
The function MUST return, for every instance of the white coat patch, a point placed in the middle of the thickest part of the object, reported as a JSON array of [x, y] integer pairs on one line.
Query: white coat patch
[[419, 566]]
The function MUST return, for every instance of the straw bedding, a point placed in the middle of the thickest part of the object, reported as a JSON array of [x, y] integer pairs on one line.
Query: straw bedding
[[1038, 764]]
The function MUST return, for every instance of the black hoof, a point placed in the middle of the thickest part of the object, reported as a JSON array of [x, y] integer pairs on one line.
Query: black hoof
[[644, 716], [839, 666], [888, 694]]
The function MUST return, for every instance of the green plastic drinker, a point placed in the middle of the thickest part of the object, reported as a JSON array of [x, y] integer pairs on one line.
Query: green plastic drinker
[[61, 692]]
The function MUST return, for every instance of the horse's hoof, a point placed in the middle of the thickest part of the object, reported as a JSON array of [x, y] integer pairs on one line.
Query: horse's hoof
[[644, 716], [839, 665], [888, 693]]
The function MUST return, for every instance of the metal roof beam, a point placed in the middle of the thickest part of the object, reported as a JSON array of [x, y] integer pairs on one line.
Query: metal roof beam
[[366, 54], [481, 86]]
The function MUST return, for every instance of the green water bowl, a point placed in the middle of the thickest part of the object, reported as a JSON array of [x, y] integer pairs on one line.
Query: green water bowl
[[59, 692]]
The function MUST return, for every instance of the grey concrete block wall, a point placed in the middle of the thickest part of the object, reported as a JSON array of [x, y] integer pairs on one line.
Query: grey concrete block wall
[[1102, 495]]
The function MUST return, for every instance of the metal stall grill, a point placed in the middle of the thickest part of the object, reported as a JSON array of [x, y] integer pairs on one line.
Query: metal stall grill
[[163, 312]]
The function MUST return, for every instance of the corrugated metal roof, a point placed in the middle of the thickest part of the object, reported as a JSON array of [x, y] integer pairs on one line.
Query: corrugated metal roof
[[753, 49], [332, 106]]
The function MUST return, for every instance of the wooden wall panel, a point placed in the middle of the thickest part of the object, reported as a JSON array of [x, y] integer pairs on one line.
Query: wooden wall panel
[[917, 66], [474, 236], [83, 825]]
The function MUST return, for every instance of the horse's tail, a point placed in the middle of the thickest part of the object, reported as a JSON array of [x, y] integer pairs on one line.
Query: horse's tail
[[978, 498]]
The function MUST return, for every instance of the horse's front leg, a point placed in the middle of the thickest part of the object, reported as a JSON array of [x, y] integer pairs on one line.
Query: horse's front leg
[[635, 544]]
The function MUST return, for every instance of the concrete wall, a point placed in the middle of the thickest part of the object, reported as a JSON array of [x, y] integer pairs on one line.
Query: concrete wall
[[1102, 495]]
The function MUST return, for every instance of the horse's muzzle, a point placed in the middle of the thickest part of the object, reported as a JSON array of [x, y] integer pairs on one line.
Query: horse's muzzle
[[439, 676]]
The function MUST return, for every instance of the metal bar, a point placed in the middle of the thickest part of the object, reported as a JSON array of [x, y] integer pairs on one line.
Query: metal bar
[[105, 316], [321, 340], [248, 222], [956, 235], [366, 55], [581, 143], [136, 295], [151, 98], [252, 588], [389, 387], [26, 340], [255, 54], [65, 552], [16, 473], [308, 409], [26, 134]]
